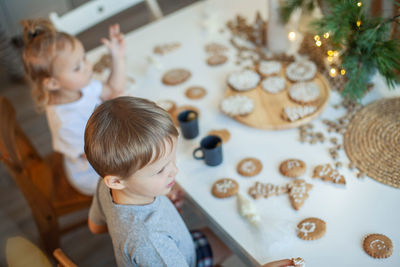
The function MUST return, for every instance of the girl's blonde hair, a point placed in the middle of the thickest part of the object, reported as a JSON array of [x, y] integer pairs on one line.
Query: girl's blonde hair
[[42, 43]]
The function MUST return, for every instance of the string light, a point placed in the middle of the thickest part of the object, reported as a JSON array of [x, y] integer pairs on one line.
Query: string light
[[330, 53], [318, 43], [343, 71], [330, 59], [332, 72], [358, 23], [292, 36], [335, 53], [316, 38], [326, 35], [359, 4]]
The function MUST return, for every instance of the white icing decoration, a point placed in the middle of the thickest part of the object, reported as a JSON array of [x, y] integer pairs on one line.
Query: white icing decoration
[[237, 105], [248, 166], [224, 186], [307, 227], [292, 164], [244, 80], [304, 91], [301, 71], [298, 191], [273, 84], [269, 67], [296, 113], [378, 244], [325, 170]]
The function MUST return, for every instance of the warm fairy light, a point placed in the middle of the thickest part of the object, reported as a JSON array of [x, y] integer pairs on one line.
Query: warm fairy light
[[335, 53], [359, 4], [333, 72], [318, 43], [292, 36], [326, 35], [343, 71], [330, 53], [316, 38], [358, 23], [330, 59]]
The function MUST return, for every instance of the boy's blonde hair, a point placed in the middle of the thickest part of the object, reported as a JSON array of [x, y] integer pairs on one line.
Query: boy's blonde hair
[[125, 134], [42, 43]]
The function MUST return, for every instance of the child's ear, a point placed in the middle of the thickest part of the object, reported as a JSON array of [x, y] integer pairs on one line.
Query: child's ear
[[51, 83], [114, 182]]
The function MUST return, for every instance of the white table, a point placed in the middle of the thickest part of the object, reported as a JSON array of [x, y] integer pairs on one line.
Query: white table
[[350, 212]]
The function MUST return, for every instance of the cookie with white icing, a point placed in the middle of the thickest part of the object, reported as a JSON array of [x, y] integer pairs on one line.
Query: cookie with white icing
[[304, 93], [301, 71], [269, 67], [195, 92], [311, 229], [273, 84], [378, 246], [298, 193], [292, 168], [237, 105], [327, 173], [243, 80], [296, 113], [259, 190], [249, 167], [224, 188]]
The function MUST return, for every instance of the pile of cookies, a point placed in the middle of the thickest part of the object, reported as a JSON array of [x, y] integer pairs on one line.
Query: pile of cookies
[[303, 93]]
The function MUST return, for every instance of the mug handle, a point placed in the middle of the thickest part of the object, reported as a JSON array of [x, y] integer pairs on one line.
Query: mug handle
[[195, 151]]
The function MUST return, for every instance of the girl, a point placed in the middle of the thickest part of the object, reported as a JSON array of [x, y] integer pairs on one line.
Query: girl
[[62, 84]]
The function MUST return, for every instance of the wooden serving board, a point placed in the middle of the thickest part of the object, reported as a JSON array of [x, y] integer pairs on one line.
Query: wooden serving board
[[268, 108]]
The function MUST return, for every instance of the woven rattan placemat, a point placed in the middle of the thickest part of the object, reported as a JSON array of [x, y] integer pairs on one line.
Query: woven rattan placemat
[[372, 141]]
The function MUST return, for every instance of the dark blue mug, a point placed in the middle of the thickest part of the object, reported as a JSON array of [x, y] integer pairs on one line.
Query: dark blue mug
[[211, 149], [188, 122]]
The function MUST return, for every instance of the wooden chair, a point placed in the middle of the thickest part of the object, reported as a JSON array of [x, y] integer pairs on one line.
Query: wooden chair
[[62, 259], [42, 180], [95, 11]]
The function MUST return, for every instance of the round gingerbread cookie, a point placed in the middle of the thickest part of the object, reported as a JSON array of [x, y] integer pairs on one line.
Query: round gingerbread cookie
[[301, 71], [266, 68], [215, 48], [378, 246], [195, 92], [273, 84], [216, 60], [249, 167], [292, 168], [224, 134], [311, 229], [237, 105], [243, 80], [304, 93], [224, 188], [175, 76]]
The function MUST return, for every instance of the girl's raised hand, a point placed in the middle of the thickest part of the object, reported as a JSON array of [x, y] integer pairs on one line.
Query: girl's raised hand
[[116, 42]]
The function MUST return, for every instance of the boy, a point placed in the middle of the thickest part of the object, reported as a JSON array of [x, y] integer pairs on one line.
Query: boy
[[131, 143]]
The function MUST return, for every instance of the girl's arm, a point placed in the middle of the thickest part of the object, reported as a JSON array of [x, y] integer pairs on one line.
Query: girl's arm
[[115, 84]]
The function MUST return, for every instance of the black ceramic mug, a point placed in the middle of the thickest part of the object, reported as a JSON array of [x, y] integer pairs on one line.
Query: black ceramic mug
[[211, 148], [189, 124]]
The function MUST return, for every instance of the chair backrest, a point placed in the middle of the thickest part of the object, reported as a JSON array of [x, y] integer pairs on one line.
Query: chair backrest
[[95, 11]]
